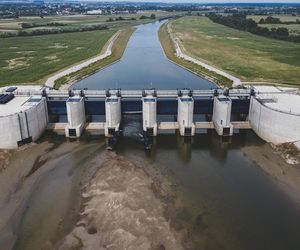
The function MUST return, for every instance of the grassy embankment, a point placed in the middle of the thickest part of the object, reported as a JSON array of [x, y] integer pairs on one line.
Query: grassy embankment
[[117, 53], [250, 57], [32, 59], [169, 50]]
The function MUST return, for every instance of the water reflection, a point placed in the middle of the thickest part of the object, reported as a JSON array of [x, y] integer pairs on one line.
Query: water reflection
[[144, 65]]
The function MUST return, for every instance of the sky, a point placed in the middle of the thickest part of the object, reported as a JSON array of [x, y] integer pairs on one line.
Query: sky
[[211, 1]]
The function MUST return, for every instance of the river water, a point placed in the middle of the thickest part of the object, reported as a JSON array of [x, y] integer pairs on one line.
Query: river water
[[144, 65], [224, 197]]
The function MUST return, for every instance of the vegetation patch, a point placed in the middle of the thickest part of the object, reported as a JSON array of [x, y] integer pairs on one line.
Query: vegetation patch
[[117, 53], [251, 58], [17, 62]]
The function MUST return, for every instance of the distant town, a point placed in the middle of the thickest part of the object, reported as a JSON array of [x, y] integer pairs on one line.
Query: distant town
[[13, 9]]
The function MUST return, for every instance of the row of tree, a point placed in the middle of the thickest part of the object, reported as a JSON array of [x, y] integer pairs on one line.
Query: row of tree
[[275, 20], [241, 22], [52, 31], [34, 25]]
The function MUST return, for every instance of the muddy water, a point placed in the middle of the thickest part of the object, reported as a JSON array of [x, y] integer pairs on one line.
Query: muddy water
[[41, 191], [222, 197]]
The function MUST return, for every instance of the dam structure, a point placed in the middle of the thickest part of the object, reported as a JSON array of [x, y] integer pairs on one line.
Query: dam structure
[[26, 112]]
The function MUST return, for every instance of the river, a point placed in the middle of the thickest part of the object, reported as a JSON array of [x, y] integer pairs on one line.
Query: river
[[223, 196], [144, 65]]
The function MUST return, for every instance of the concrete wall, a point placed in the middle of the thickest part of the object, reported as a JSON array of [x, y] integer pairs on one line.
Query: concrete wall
[[185, 114], [149, 114], [272, 125], [222, 114], [19, 126], [76, 115], [112, 113]]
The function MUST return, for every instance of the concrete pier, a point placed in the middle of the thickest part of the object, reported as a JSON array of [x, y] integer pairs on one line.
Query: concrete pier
[[222, 116], [149, 115], [185, 116], [113, 115], [76, 116]]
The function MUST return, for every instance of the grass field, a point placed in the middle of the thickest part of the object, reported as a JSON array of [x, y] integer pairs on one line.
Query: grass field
[[117, 52], [31, 59], [28, 59], [294, 29], [283, 18], [169, 50], [248, 56], [79, 20]]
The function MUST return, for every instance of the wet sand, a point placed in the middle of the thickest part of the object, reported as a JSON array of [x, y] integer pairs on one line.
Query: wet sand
[[282, 163]]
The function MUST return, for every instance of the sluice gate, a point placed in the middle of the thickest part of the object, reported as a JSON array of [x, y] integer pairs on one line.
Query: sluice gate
[[187, 111]]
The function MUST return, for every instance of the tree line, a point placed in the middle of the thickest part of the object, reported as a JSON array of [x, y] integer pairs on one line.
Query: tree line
[[52, 31], [34, 25], [241, 22], [275, 20]]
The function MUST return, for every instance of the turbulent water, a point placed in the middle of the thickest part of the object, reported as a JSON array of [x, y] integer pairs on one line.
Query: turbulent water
[[222, 199]]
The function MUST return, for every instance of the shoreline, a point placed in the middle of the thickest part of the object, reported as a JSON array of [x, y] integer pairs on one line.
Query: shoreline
[[117, 50]]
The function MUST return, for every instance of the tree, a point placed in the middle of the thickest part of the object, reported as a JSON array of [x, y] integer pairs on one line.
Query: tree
[[152, 16]]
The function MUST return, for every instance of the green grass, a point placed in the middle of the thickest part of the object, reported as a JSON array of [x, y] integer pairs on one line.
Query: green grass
[[248, 56], [169, 50], [29, 59], [117, 53]]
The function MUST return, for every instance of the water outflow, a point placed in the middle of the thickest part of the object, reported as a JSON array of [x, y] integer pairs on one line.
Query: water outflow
[[144, 65]]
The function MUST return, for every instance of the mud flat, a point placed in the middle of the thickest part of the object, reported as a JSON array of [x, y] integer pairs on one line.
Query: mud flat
[[123, 209], [282, 163]]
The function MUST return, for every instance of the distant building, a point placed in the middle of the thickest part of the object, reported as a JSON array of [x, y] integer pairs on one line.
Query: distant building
[[94, 12]]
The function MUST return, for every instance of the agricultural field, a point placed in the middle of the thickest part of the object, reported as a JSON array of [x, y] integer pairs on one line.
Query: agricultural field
[[247, 56], [283, 18], [80, 20], [29, 59], [294, 29]]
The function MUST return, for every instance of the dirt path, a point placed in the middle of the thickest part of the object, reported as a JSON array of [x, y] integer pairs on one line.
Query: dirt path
[[181, 54]]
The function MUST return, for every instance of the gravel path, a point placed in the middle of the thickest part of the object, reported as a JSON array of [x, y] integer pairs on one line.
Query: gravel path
[[181, 54]]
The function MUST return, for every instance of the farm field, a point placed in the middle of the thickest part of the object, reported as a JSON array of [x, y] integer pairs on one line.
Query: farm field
[[294, 29], [79, 20], [283, 18], [247, 56], [29, 59]]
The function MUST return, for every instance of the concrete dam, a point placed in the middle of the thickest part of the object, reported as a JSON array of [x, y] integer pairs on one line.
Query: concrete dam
[[27, 111]]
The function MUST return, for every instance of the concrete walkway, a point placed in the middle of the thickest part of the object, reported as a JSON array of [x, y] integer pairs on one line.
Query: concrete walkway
[[51, 80], [179, 53]]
